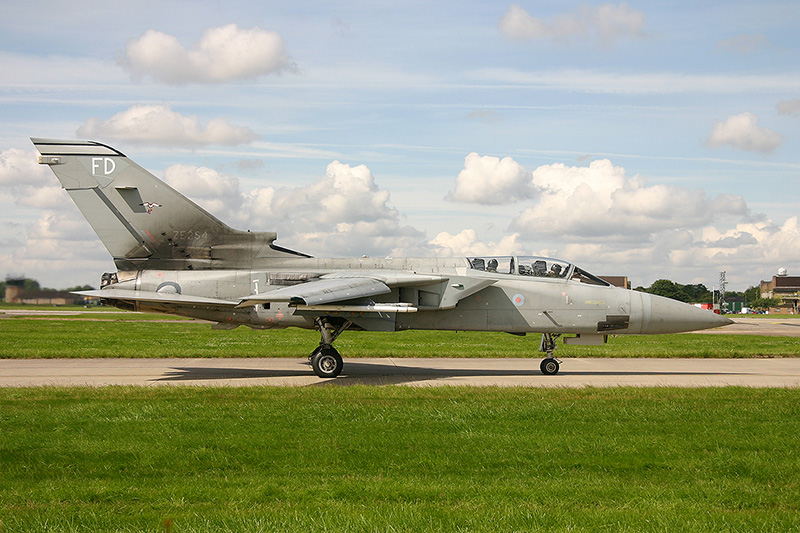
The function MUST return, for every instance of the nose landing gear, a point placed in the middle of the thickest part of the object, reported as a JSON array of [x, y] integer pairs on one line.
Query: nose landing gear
[[325, 359], [549, 365]]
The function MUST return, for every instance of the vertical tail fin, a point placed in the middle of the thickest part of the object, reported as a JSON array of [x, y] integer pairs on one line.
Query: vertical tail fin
[[142, 221]]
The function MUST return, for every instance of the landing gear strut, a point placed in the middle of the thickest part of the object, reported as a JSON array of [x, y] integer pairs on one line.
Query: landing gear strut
[[549, 365], [325, 359]]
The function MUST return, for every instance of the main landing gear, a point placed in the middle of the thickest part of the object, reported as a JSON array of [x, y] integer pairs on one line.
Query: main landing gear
[[325, 359], [549, 365]]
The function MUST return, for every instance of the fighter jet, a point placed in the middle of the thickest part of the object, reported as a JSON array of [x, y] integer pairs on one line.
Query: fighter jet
[[174, 257]]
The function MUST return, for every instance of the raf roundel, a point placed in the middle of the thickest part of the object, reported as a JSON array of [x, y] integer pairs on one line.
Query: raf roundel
[[518, 299]]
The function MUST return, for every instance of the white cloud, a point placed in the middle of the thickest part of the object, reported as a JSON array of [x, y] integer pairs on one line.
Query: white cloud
[[491, 180], [598, 200], [789, 107], [159, 124], [344, 213], [603, 24], [58, 239], [217, 193], [748, 246], [466, 243], [25, 182], [602, 201], [743, 132], [224, 53], [19, 167], [58, 246]]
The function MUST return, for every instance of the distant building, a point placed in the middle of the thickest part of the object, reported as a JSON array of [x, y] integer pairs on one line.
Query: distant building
[[617, 281], [734, 304], [14, 290], [48, 298], [786, 288], [16, 294]]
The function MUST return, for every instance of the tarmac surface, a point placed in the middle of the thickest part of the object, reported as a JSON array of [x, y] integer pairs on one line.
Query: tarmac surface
[[505, 372], [746, 325]]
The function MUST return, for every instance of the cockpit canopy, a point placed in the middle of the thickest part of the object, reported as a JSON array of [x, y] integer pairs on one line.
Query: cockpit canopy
[[544, 267]]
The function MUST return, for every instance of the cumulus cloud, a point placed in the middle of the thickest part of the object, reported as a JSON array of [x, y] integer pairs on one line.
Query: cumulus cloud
[[491, 180], [748, 245], [743, 132], [159, 124], [601, 200], [467, 243], [217, 193], [58, 248], [25, 182], [345, 212], [222, 54], [789, 107], [22, 166], [603, 24]]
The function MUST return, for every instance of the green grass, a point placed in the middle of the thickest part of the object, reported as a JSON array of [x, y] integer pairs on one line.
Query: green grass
[[97, 316], [51, 307], [80, 338], [399, 459]]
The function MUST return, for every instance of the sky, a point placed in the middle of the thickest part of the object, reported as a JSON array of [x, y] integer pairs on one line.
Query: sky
[[652, 139]]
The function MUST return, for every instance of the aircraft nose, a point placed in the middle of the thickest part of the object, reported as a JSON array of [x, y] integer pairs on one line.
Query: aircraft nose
[[672, 316]]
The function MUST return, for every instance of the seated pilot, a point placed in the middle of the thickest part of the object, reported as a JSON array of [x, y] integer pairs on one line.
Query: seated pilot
[[492, 265]]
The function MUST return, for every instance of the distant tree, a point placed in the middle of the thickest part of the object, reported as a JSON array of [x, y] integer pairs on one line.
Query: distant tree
[[80, 288], [765, 303], [31, 285], [668, 289], [752, 294], [697, 294]]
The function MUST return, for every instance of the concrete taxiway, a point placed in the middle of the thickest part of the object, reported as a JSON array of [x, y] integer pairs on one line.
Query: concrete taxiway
[[587, 372]]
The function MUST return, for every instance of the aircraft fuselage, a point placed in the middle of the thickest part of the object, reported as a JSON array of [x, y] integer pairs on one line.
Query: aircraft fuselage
[[432, 295]]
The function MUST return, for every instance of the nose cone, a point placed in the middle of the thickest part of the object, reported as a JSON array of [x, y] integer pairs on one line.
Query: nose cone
[[672, 316]]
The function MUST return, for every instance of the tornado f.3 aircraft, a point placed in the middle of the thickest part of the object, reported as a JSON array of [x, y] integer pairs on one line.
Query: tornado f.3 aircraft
[[174, 257]]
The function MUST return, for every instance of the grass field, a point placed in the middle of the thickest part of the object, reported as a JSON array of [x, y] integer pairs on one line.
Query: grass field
[[398, 459], [126, 335], [389, 459]]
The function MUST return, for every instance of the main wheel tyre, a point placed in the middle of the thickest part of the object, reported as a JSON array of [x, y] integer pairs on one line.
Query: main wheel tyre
[[549, 366], [327, 363]]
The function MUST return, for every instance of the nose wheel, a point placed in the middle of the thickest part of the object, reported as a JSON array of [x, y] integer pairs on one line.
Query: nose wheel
[[549, 366], [325, 359], [326, 362]]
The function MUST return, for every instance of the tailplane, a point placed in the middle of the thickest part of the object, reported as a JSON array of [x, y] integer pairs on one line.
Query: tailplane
[[142, 221]]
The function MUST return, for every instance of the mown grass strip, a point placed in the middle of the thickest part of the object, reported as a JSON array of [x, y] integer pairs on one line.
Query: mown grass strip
[[397, 459], [70, 338]]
